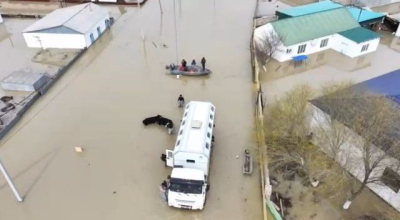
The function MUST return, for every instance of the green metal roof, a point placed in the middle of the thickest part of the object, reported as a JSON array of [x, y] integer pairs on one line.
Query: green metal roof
[[359, 34], [364, 16], [308, 27], [310, 8]]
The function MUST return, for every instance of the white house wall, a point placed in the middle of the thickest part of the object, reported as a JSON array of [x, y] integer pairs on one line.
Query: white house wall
[[355, 167], [352, 49], [55, 40], [1, 19], [93, 30], [336, 42], [397, 32], [312, 46]]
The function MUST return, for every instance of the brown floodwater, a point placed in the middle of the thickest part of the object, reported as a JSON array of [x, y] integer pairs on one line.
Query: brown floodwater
[[99, 105]]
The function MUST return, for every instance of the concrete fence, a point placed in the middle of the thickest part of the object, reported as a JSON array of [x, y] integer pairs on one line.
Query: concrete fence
[[33, 97]]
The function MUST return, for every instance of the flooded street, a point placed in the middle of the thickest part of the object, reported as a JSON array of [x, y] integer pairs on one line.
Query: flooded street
[[99, 105]]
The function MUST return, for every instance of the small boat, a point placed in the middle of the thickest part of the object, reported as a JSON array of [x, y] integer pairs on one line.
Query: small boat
[[191, 70], [247, 163]]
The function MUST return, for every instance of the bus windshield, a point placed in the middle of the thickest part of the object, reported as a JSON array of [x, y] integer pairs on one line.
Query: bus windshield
[[186, 186]]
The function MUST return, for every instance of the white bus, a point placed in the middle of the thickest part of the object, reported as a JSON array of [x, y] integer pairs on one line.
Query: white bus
[[190, 159]]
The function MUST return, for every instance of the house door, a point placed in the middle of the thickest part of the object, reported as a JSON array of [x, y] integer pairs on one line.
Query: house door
[[92, 38], [98, 31]]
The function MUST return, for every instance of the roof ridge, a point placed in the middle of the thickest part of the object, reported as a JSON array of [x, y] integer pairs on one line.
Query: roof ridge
[[313, 13], [87, 4]]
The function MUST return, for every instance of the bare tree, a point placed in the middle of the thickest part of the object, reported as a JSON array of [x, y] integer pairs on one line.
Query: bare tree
[[288, 138], [267, 46], [355, 131], [361, 134]]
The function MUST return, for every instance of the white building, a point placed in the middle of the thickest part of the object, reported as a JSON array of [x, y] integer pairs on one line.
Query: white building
[[388, 168], [1, 19], [330, 29], [73, 27]]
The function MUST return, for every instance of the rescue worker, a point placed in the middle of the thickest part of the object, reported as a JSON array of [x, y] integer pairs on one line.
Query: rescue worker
[[203, 63]]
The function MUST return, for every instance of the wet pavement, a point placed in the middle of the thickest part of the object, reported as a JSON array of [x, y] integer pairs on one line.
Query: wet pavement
[[99, 105]]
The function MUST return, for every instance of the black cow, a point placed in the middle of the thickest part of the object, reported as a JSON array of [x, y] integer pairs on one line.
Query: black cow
[[164, 121], [167, 123], [151, 120]]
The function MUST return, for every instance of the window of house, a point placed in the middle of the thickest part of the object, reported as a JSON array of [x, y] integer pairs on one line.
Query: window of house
[[209, 125], [302, 48], [391, 179], [177, 144], [288, 50], [207, 145], [208, 135], [324, 43], [211, 117], [364, 48]]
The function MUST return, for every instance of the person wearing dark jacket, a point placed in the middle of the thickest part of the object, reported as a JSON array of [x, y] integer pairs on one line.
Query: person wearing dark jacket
[[181, 101], [203, 63], [194, 62]]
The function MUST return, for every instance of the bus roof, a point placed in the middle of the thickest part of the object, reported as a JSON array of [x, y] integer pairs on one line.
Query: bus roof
[[196, 128]]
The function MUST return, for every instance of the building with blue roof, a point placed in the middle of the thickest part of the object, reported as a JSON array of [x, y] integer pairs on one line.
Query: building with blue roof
[[363, 16], [345, 109]]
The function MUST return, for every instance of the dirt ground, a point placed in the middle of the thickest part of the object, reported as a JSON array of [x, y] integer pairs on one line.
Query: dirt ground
[[99, 105]]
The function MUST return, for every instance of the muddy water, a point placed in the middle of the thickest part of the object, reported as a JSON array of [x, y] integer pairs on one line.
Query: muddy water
[[328, 67], [100, 103]]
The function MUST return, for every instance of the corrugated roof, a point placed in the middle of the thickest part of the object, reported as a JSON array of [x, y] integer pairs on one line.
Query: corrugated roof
[[360, 96], [310, 8], [359, 34], [308, 27], [80, 18], [366, 15]]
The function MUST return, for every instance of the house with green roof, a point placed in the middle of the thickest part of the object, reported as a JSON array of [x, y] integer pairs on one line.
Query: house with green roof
[[335, 29], [364, 16]]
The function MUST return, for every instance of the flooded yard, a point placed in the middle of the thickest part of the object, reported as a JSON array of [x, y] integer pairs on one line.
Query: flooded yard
[[99, 105], [319, 70]]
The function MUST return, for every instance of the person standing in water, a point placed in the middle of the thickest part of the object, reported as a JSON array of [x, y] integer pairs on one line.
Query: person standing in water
[[181, 101], [193, 62], [203, 63]]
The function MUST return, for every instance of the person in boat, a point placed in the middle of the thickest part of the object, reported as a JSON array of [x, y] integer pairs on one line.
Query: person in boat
[[181, 101], [183, 67], [203, 63], [193, 62]]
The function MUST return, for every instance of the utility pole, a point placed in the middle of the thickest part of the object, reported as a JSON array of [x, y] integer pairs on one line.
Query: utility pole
[[176, 35], [10, 183], [141, 29], [159, 3]]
